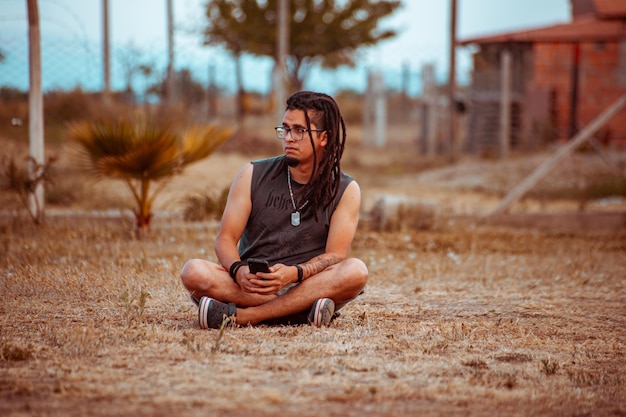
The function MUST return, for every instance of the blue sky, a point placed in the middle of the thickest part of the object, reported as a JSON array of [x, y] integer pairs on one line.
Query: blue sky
[[423, 27]]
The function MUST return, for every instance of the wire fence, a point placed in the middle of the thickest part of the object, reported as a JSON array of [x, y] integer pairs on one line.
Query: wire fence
[[69, 64], [71, 58]]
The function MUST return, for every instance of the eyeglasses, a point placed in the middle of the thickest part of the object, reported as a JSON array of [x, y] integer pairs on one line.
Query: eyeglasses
[[296, 133]]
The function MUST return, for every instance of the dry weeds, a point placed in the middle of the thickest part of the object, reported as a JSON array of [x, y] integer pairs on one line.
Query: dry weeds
[[454, 322], [459, 320]]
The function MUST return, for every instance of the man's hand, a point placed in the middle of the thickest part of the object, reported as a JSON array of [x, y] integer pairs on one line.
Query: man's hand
[[266, 283]]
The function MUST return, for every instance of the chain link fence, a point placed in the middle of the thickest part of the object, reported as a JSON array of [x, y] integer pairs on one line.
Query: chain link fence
[[71, 58], [205, 76]]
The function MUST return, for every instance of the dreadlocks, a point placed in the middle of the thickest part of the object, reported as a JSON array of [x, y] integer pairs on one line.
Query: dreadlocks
[[323, 111]]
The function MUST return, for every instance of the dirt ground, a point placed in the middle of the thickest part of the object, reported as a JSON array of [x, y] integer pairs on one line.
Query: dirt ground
[[461, 319]]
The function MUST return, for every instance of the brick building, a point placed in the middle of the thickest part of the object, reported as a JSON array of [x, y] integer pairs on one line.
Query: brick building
[[561, 78]]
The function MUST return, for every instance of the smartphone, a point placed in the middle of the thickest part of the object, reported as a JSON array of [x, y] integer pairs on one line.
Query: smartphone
[[258, 265]]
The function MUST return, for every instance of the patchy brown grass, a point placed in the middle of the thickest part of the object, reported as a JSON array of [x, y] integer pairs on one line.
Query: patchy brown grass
[[476, 321], [460, 320]]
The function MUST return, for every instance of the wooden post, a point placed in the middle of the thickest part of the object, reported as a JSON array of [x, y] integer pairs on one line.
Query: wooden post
[[380, 113], [542, 170], [375, 112], [407, 108], [35, 110], [505, 102], [452, 85], [282, 52], [170, 53], [106, 50], [212, 94], [430, 110], [573, 102], [368, 116]]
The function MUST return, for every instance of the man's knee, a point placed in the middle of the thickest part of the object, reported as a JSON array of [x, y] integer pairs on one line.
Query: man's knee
[[357, 272], [191, 273]]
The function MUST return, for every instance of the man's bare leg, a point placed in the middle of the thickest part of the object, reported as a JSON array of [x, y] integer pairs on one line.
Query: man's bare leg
[[204, 278], [341, 282]]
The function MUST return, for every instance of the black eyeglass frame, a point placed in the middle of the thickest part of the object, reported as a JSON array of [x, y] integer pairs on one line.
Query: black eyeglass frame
[[289, 130]]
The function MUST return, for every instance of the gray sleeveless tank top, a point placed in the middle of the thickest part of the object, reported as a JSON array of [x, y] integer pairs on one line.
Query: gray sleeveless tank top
[[269, 233]]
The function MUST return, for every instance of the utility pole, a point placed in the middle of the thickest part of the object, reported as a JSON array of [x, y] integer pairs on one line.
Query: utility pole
[[170, 53], [452, 84], [282, 51], [106, 51], [35, 110]]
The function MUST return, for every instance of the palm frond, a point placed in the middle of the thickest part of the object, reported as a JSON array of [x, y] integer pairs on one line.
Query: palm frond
[[199, 142], [154, 159], [139, 152]]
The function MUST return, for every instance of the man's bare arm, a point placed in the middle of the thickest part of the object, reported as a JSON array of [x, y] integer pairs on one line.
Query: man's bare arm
[[318, 264], [235, 217], [343, 226]]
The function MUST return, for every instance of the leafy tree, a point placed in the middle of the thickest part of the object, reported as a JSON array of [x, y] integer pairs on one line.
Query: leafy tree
[[325, 32], [142, 152]]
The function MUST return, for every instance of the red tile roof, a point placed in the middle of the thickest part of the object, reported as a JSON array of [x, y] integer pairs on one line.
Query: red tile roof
[[611, 9], [583, 29]]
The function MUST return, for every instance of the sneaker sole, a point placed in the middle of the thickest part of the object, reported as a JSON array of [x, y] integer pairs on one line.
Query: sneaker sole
[[203, 307], [323, 312]]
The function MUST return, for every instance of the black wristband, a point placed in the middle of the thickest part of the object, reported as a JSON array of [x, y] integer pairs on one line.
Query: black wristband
[[234, 267], [300, 273]]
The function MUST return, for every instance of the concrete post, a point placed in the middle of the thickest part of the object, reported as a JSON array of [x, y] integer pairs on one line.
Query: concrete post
[[429, 120], [375, 114], [505, 102]]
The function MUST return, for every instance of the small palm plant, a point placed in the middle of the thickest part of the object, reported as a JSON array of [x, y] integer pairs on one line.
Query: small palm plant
[[142, 153]]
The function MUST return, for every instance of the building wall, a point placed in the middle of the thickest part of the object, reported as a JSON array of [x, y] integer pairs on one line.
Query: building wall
[[602, 80]]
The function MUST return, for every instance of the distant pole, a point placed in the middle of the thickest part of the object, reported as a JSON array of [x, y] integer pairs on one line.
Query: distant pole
[[380, 114], [505, 102], [430, 110], [35, 109], [280, 76], [212, 93], [106, 51], [375, 113], [452, 83], [170, 53], [573, 108], [406, 75]]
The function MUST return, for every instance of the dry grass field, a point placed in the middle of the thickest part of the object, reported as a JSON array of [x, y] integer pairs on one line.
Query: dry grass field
[[462, 319]]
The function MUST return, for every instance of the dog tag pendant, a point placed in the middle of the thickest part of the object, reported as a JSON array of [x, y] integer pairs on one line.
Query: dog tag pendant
[[295, 218]]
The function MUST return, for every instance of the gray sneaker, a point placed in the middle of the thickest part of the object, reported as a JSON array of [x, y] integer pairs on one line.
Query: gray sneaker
[[321, 312], [212, 314]]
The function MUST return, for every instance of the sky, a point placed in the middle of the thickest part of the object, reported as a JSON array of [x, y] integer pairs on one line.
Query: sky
[[423, 27]]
